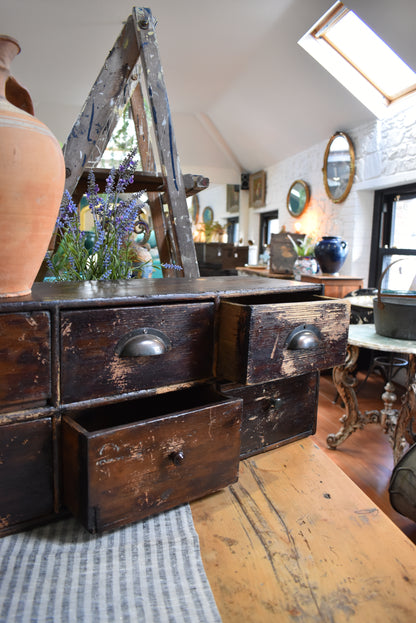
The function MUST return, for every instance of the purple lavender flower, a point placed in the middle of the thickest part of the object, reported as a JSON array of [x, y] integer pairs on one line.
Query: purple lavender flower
[[114, 221], [173, 266]]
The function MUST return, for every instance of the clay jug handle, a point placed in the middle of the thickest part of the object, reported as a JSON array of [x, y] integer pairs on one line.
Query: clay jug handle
[[18, 96]]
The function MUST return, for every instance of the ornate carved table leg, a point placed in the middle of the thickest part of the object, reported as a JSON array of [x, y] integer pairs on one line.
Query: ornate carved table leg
[[388, 415], [345, 382], [404, 434]]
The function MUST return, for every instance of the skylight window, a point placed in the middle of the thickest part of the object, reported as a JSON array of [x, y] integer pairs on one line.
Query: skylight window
[[357, 57]]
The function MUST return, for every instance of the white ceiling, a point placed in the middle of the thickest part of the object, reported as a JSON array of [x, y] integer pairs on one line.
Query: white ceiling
[[243, 94]]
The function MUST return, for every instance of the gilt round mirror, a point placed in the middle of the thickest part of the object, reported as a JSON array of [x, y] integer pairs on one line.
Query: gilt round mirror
[[297, 197], [339, 167]]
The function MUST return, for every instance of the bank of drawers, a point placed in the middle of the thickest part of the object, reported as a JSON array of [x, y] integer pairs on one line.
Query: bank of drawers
[[117, 411]]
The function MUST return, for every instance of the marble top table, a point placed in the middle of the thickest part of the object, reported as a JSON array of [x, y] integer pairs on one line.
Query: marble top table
[[397, 423]]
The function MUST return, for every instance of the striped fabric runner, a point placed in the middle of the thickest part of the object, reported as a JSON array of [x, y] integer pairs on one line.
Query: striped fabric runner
[[150, 571]]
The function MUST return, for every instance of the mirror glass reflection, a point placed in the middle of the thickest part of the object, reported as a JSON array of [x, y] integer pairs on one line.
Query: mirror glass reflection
[[297, 197], [339, 165]]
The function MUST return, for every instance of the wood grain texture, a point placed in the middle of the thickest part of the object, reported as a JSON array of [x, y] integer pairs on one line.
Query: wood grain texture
[[277, 412], [92, 367], [296, 540], [25, 360], [335, 285], [147, 291], [26, 472], [254, 338]]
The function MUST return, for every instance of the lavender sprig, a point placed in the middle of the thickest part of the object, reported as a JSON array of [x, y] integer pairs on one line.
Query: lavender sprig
[[114, 220]]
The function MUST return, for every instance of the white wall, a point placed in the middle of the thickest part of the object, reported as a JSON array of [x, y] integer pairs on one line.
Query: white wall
[[215, 197], [385, 157]]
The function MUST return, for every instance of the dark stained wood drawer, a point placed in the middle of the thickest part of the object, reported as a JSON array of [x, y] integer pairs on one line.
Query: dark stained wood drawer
[[26, 472], [127, 461], [261, 340], [113, 351], [276, 412], [24, 360]]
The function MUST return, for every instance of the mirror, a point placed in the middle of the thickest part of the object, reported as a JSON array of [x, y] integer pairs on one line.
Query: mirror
[[339, 167], [297, 197]]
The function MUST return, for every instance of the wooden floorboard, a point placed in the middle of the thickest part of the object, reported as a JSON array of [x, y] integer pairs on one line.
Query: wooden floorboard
[[366, 456]]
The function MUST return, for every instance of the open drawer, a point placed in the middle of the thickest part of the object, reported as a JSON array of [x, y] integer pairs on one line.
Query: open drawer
[[265, 338], [126, 461]]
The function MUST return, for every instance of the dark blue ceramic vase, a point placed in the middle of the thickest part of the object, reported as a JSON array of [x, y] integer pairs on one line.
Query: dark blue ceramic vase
[[331, 253]]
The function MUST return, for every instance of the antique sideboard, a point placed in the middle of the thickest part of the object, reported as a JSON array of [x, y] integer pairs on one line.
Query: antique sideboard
[[123, 399]]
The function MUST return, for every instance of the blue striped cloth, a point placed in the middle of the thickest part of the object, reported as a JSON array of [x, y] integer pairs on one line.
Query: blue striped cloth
[[150, 571]]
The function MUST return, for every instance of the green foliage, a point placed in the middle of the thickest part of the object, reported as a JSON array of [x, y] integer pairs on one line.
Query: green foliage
[[304, 247], [106, 253]]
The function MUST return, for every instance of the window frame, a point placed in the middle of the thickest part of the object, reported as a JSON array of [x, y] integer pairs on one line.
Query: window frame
[[345, 71], [265, 218], [382, 228]]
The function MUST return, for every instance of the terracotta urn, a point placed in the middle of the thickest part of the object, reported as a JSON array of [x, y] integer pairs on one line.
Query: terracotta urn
[[32, 178]]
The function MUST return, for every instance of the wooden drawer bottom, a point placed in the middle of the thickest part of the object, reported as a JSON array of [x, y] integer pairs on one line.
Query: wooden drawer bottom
[[127, 461], [277, 412]]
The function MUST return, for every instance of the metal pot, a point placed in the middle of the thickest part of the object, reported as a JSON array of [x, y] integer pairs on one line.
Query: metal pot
[[395, 314]]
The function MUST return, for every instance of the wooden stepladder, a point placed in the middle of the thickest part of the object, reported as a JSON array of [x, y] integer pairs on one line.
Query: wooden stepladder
[[133, 72]]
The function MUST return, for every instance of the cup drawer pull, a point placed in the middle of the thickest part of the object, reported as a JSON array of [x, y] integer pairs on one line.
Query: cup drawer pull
[[143, 343], [303, 338]]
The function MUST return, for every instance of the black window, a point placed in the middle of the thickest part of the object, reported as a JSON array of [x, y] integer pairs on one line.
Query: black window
[[232, 230], [269, 222], [394, 238]]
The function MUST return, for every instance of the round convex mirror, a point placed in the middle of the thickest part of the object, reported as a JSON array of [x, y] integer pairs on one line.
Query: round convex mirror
[[297, 197], [339, 167]]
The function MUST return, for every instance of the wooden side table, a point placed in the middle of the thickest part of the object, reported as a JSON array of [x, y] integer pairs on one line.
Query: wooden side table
[[397, 423], [335, 285]]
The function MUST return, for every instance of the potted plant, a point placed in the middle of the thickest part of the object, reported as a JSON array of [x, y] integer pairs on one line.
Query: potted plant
[[305, 263]]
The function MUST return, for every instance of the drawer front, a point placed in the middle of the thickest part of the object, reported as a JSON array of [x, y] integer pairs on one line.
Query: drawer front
[[112, 351], [260, 343], [119, 474], [24, 360], [26, 473], [277, 412]]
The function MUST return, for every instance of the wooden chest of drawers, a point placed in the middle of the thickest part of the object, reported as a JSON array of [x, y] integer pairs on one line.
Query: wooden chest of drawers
[[122, 399]]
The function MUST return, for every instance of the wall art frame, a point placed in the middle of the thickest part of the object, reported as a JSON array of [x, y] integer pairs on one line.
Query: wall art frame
[[257, 189]]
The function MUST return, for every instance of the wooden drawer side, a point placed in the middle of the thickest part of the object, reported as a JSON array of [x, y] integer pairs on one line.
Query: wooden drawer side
[[233, 340]]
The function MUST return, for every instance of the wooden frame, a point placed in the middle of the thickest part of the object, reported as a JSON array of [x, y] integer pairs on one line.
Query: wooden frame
[[298, 198], [233, 198], [257, 189], [195, 209], [339, 167]]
